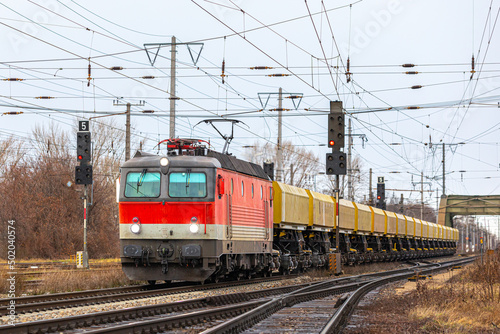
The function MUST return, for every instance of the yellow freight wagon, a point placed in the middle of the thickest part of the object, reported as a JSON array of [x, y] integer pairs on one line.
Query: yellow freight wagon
[[291, 205], [401, 225], [418, 228], [425, 229], [410, 227], [321, 210], [391, 225], [363, 222], [347, 215], [379, 220]]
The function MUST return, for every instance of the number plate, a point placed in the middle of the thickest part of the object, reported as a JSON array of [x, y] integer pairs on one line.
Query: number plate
[[83, 126]]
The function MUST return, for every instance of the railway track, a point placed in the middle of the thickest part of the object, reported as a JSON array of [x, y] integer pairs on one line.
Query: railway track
[[333, 324], [172, 315], [269, 310], [92, 297], [342, 314]]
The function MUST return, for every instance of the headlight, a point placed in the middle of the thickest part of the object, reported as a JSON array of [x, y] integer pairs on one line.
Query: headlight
[[136, 226], [194, 228], [163, 162]]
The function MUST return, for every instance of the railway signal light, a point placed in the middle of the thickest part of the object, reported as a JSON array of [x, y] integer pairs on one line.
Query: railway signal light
[[336, 126], [83, 147], [381, 195], [83, 174], [336, 163]]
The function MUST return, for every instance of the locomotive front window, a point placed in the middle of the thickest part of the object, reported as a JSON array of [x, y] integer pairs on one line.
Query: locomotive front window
[[145, 184], [187, 184]]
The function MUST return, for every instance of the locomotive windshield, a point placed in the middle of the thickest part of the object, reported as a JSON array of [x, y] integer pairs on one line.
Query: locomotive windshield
[[187, 184], [145, 184]]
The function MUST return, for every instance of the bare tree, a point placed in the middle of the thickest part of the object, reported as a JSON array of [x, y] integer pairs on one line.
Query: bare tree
[[359, 182], [47, 208], [299, 165], [11, 152]]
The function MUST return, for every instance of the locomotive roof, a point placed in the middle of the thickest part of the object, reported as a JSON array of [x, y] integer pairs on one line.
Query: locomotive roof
[[211, 160], [145, 160], [238, 165]]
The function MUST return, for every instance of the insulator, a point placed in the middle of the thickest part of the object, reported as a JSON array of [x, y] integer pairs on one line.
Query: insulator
[[148, 77], [413, 107], [411, 72], [223, 68], [13, 113], [416, 87], [278, 109], [148, 111], [278, 75], [261, 68], [348, 72], [174, 98], [116, 68], [293, 97], [13, 79], [89, 78], [44, 97], [472, 65], [408, 65]]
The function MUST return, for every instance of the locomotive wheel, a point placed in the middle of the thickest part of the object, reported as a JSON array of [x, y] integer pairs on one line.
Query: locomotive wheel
[[152, 282]]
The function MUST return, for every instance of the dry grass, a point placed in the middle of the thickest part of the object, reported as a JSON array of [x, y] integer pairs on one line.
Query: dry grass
[[104, 273], [469, 302], [81, 280], [372, 267]]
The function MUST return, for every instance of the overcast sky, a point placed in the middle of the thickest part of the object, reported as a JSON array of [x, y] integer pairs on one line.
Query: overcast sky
[[49, 43]]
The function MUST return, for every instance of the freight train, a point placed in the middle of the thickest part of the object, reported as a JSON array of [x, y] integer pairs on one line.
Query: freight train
[[199, 215]]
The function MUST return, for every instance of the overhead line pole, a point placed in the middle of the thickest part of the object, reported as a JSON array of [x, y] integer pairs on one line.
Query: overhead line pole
[[349, 163], [370, 194], [172, 88], [422, 195], [127, 124], [152, 55], [280, 149], [444, 180]]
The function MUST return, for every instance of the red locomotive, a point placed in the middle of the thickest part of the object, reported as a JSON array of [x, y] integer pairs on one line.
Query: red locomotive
[[194, 214]]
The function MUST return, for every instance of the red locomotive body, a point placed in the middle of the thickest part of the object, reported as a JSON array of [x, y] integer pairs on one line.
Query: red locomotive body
[[194, 217]]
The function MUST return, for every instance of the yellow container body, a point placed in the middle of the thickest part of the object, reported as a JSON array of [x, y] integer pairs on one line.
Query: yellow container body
[[321, 210], [432, 233], [347, 215], [418, 228], [401, 225], [410, 227], [379, 220], [291, 205], [365, 218], [390, 227], [440, 232], [425, 229]]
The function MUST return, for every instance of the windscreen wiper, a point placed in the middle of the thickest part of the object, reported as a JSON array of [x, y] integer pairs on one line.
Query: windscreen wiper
[[188, 178], [140, 180]]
